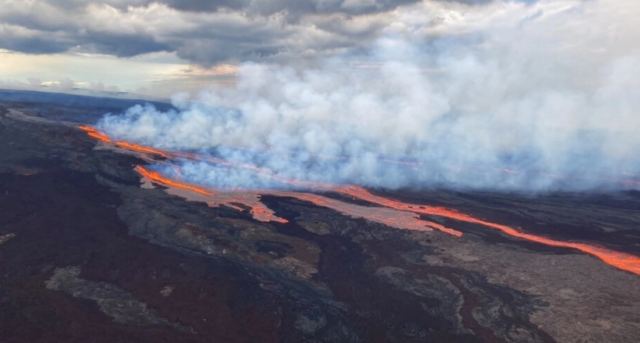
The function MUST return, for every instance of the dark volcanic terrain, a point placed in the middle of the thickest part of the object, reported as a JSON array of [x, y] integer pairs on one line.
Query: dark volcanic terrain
[[88, 255]]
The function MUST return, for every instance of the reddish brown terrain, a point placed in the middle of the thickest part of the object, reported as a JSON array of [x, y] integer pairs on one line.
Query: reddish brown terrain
[[97, 246]]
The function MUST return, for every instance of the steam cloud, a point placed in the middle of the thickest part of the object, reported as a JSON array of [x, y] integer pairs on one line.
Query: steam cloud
[[546, 96]]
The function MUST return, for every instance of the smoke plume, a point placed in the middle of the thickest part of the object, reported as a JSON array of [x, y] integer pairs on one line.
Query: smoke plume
[[543, 96]]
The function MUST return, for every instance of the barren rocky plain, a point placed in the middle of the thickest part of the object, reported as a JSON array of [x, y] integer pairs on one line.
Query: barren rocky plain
[[89, 255]]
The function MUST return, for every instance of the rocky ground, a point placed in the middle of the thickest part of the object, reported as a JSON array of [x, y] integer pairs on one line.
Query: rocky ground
[[87, 255]]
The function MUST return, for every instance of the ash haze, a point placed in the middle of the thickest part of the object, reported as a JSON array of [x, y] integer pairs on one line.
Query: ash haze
[[512, 95]]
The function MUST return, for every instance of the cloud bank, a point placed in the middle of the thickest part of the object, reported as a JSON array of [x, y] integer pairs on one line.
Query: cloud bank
[[207, 32], [543, 96], [202, 32]]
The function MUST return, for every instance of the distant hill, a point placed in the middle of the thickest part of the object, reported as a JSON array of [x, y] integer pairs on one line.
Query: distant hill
[[72, 100], [71, 107]]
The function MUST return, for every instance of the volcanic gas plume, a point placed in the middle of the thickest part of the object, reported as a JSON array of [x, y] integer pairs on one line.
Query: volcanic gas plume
[[390, 212], [520, 104]]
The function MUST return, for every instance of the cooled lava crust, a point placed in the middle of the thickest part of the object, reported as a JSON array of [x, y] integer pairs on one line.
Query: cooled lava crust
[[88, 255]]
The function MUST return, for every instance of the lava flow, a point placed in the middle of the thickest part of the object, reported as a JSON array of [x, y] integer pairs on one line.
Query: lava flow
[[628, 262], [141, 148], [102, 137], [95, 134], [387, 216], [393, 213], [159, 179], [193, 192], [238, 200]]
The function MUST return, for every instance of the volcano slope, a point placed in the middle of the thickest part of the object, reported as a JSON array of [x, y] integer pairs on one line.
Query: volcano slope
[[91, 252]]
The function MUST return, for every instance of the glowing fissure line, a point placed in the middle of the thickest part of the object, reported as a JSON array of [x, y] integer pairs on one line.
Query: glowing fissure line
[[141, 148], [387, 216], [102, 137], [158, 178], [390, 217], [95, 134], [624, 261], [620, 260]]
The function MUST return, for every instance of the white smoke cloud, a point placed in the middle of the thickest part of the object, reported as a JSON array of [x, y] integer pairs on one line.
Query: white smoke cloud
[[543, 96]]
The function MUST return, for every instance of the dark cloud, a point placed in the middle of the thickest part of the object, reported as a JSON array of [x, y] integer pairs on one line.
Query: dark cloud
[[33, 45], [350, 7], [293, 8], [123, 45], [204, 32], [472, 2], [206, 6]]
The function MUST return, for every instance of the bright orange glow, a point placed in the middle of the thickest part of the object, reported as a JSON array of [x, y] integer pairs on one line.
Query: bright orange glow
[[159, 179], [255, 169], [262, 213], [234, 200], [387, 216], [250, 199], [141, 148], [394, 213], [103, 137], [94, 133], [619, 260]]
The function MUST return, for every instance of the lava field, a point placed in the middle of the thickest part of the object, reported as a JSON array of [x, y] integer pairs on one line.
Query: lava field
[[96, 246]]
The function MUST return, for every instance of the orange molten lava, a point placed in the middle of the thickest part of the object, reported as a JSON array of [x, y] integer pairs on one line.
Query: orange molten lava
[[251, 199], [262, 213], [387, 216], [95, 134], [159, 179], [103, 137], [141, 148], [234, 200], [395, 213], [619, 260]]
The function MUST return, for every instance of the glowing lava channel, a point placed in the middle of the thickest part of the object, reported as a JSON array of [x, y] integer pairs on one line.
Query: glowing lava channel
[[124, 145], [251, 199], [393, 213], [628, 262]]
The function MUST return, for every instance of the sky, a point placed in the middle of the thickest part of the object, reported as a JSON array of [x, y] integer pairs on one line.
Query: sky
[[157, 48], [530, 95]]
